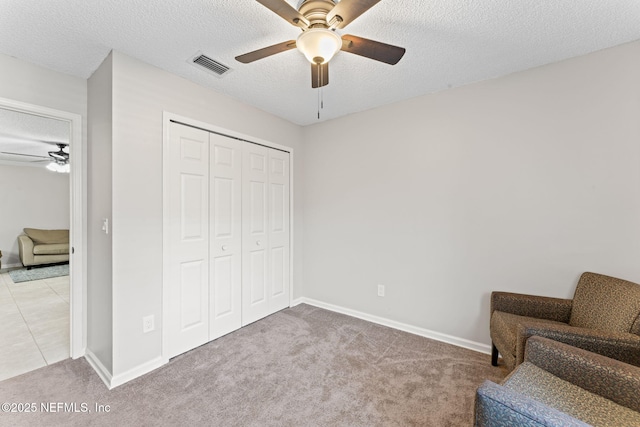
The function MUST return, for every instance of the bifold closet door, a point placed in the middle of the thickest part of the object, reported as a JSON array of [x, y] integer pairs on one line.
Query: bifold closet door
[[188, 228], [226, 235], [265, 232]]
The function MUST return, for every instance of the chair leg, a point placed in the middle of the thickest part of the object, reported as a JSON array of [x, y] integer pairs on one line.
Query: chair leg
[[494, 355]]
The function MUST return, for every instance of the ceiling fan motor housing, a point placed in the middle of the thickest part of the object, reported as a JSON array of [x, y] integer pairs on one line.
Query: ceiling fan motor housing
[[315, 11]]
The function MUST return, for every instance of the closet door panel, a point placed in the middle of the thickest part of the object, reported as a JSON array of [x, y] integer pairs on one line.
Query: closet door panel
[[255, 235], [188, 282], [279, 229], [226, 235]]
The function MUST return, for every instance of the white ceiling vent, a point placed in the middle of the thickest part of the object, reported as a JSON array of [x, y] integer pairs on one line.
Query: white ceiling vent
[[211, 65]]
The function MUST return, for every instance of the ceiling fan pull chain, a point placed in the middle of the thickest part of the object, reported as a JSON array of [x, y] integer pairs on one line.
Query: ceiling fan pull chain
[[319, 89]]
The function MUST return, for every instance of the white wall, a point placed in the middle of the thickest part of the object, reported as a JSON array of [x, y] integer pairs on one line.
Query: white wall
[[99, 205], [31, 197], [140, 95], [519, 183]]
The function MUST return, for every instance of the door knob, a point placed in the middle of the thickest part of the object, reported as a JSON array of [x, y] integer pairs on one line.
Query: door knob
[[224, 247], [258, 243]]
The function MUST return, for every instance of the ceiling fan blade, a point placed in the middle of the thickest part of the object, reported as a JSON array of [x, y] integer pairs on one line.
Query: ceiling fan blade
[[59, 155], [347, 11], [21, 154], [319, 75], [266, 51], [372, 49], [283, 9]]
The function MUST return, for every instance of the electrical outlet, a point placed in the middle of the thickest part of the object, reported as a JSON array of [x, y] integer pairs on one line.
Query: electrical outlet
[[148, 324], [380, 290]]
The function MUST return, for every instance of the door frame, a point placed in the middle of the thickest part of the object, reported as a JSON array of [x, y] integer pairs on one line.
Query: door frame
[[167, 119], [77, 229]]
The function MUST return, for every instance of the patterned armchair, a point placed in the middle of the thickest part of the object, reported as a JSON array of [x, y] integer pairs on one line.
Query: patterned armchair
[[560, 385], [603, 317]]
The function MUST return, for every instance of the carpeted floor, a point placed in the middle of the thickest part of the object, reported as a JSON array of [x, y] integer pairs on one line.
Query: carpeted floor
[[38, 273], [303, 366]]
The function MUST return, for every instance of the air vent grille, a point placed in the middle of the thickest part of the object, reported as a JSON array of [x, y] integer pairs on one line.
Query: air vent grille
[[217, 68]]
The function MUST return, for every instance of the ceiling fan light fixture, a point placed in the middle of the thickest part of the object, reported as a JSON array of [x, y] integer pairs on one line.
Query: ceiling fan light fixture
[[319, 45], [60, 167]]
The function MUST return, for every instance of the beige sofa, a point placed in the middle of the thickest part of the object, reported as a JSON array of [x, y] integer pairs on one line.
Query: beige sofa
[[39, 247]]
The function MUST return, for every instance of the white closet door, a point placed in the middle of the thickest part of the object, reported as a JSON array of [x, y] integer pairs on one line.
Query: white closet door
[[226, 236], [278, 230], [188, 192], [255, 233]]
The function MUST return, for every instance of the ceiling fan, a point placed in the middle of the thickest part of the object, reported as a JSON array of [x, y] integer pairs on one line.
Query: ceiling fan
[[58, 160], [318, 20], [62, 155]]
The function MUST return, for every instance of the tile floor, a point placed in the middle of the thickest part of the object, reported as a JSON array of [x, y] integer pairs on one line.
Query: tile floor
[[34, 324]]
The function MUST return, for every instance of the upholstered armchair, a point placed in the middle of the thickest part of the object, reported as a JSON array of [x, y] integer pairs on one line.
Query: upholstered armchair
[[603, 317], [561, 385]]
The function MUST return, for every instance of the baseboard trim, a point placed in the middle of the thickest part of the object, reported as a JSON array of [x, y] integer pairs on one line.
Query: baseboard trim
[[97, 366], [427, 333], [136, 372], [112, 381]]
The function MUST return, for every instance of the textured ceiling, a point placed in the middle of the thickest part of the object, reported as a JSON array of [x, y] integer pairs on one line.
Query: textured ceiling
[[449, 43]]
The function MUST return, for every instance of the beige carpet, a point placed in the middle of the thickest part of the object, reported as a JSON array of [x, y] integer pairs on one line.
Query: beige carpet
[[303, 366]]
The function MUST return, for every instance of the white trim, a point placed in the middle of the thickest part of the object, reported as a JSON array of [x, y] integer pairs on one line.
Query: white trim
[[427, 333], [166, 121], [78, 208], [136, 372], [97, 366], [167, 118], [291, 227]]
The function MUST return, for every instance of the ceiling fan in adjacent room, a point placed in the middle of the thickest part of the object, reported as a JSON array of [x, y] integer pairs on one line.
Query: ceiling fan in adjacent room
[[58, 160], [319, 42]]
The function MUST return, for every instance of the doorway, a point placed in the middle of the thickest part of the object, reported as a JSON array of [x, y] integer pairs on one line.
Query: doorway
[[30, 115]]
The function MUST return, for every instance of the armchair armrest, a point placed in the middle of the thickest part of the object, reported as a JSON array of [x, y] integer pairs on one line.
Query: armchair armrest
[[497, 406], [622, 346], [557, 309], [25, 249], [609, 378]]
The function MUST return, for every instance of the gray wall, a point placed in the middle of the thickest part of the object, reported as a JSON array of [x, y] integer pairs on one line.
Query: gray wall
[[99, 207], [28, 83], [140, 95], [519, 183], [25, 82]]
